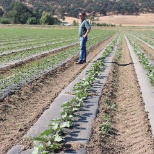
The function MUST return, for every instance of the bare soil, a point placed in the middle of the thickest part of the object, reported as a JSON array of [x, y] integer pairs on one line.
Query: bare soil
[[21, 110], [132, 133]]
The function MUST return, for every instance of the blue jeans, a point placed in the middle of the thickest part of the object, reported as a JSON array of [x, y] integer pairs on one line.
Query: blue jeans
[[83, 52]]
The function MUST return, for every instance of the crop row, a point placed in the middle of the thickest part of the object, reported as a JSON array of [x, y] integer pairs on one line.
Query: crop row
[[33, 45], [144, 60], [8, 60], [33, 51], [21, 46], [149, 34], [50, 38], [139, 43], [106, 128], [8, 35], [146, 38], [35, 35], [52, 139], [28, 72]]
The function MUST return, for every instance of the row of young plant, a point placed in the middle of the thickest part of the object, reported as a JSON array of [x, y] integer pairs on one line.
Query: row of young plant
[[20, 76], [18, 41], [21, 42], [39, 50], [22, 46], [13, 45], [17, 58], [31, 52], [51, 37], [109, 106], [27, 53], [53, 138], [140, 43], [16, 35], [40, 42], [144, 38], [149, 34], [144, 60]]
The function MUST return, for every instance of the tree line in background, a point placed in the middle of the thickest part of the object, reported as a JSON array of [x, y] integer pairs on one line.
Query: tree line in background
[[72, 7], [42, 11], [21, 14]]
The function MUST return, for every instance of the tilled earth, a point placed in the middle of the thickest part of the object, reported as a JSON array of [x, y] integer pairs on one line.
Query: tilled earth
[[20, 111], [132, 133]]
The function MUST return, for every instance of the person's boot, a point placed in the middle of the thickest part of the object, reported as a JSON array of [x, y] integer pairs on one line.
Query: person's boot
[[79, 62]]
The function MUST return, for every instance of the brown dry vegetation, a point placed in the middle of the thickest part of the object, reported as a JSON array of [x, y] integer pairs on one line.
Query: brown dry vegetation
[[124, 20]]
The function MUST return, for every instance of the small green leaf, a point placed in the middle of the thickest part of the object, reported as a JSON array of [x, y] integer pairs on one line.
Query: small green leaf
[[54, 126], [64, 115], [49, 143], [65, 124], [66, 104], [55, 146], [58, 138], [47, 132], [70, 116], [75, 109], [44, 152], [55, 120], [35, 150], [40, 139], [37, 147]]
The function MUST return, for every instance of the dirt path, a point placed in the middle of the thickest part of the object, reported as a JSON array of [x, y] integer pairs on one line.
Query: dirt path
[[21, 110], [132, 133]]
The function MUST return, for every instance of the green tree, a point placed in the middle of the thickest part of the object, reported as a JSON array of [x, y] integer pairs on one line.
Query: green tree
[[32, 21], [91, 18], [47, 19], [21, 13]]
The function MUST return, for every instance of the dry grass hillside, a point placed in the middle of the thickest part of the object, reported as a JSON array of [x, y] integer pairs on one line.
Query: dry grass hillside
[[124, 20]]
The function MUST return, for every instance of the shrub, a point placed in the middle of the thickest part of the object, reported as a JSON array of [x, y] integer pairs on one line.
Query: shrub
[[32, 20], [4, 21]]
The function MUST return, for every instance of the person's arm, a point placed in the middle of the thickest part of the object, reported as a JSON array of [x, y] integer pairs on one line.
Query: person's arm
[[88, 30]]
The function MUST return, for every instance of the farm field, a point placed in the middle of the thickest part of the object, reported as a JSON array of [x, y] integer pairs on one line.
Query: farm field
[[38, 63]]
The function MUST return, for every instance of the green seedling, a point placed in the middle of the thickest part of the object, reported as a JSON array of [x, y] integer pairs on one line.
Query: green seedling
[[106, 128]]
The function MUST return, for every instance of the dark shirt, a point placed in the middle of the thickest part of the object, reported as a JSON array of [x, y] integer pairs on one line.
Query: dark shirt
[[83, 27]]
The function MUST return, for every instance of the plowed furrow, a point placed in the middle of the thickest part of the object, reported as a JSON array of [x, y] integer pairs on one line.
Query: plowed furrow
[[148, 51], [135, 134], [21, 110], [130, 122]]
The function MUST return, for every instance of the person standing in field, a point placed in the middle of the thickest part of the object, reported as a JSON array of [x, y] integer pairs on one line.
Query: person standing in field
[[84, 29]]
